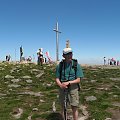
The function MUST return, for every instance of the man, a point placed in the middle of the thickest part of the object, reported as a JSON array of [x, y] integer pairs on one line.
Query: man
[[38, 55], [41, 57], [69, 77], [104, 60], [21, 53]]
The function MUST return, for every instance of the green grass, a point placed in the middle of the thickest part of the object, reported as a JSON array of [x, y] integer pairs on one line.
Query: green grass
[[13, 99]]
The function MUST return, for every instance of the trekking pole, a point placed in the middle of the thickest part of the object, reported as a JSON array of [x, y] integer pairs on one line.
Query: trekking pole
[[65, 103]]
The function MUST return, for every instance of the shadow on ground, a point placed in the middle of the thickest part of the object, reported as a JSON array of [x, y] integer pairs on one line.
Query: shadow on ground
[[54, 116]]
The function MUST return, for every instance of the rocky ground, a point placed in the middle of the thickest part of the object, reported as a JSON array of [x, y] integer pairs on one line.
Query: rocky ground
[[29, 92]]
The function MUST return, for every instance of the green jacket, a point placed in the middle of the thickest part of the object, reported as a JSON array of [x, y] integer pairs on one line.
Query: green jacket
[[68, 72]]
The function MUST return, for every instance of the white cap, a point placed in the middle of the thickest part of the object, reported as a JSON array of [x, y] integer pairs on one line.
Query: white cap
[[67, 50]]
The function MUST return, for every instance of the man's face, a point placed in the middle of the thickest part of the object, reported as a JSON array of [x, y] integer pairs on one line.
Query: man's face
[[67, 56]]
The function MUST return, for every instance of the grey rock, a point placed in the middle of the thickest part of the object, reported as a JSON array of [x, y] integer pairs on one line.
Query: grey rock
[[42, 101], [84, 115], [35, 109], [31, 93], [39, 75], [17, 113], [115, 96], [9, 77], [93, 81], [29, 117], [26, 77], [108, 119], [53, 107], [29, 81], [117, 104], [35, 70], [115, 79], [14, 85], [49, 85], [1, 94], [91, 98], [83, 118], [15, 80], [117, 87]]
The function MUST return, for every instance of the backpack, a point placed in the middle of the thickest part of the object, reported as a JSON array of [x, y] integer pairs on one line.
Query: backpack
[[75, 62]]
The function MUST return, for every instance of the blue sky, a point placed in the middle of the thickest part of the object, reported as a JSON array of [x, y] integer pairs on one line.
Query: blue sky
[[92, 26]]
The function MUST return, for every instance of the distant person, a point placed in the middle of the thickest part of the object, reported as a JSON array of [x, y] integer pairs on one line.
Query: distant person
[[104, 60], [9, 57], [117, 62], [6, 57], [111, 62], [41, 57], [68, 76], [114, 62], [29, 59], [38, 55], [45, 60], [21, 53], [108, 61]]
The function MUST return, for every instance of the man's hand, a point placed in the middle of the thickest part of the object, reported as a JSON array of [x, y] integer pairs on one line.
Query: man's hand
[[65, 84], [62, 85]]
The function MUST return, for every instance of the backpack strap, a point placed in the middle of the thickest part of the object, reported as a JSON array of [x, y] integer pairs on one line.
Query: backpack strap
[[75, 66], [60, 68], [75, 62]]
